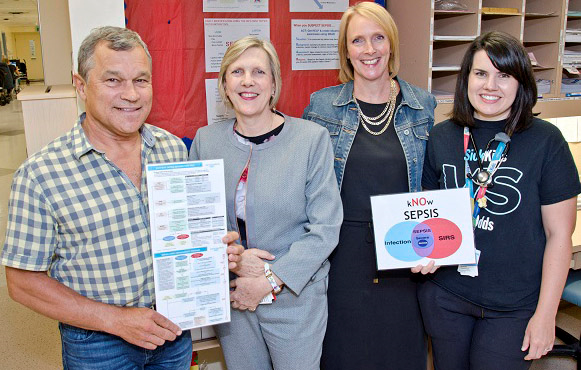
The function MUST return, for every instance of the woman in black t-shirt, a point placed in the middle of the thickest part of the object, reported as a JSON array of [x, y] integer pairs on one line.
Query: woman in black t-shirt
[[501, 313]]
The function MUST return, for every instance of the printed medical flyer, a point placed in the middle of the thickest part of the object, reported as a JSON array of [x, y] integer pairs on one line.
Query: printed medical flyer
[[239, 6], [219, 33], [314, 44], [318, 5], [416, 228], [187, 209], [216, 110]]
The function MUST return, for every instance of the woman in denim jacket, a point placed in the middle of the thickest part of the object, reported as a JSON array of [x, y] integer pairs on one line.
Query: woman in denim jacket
[[379, 127]]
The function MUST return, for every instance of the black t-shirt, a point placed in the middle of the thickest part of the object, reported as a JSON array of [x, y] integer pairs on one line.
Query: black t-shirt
[[375, 165], [538, 170]]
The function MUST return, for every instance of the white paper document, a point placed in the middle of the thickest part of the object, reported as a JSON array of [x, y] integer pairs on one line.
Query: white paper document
[[416, 228], [187, 210], [220, 33], [568, 127], [318, 5], [240, 6], [314, 44], [216, 110]]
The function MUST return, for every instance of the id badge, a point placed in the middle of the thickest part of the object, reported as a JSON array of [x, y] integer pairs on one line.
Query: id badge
[[471, 269], [268, 299]]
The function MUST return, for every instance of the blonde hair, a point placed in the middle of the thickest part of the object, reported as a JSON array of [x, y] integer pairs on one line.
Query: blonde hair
[[379, 15], [233, 53]]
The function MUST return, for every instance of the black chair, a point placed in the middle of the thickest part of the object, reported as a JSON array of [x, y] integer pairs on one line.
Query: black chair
[[572, 294], [22, 68], [4, 99]]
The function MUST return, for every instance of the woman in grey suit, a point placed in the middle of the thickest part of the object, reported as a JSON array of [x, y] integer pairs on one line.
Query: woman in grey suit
[[283, 198]]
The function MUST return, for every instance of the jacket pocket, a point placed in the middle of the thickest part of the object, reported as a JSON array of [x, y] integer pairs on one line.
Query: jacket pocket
[[422, 128]]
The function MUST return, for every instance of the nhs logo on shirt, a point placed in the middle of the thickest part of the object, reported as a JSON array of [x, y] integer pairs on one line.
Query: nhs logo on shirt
[[502, 199]]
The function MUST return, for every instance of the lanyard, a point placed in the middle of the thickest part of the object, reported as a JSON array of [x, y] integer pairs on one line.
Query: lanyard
[[483, 178]]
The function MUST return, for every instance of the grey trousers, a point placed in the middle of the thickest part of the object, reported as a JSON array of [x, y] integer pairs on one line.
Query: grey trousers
[[285, 335]]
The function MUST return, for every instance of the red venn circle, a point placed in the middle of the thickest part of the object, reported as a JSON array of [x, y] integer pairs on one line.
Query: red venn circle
[[447, 237]]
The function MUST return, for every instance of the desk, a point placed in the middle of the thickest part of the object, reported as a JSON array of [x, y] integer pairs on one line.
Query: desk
[[576, 259], [47, 114]]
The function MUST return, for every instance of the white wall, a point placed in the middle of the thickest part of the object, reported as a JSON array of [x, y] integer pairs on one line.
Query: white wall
[[55, 35], [88, 14]]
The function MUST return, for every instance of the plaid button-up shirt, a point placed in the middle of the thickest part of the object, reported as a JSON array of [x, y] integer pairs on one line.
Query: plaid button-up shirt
[[75, 214]]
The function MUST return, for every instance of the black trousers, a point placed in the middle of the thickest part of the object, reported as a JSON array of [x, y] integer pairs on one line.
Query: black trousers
[[466, 336]]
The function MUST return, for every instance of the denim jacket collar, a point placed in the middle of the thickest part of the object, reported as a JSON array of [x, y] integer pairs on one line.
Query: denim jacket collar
[[345, 95], [408, 97]]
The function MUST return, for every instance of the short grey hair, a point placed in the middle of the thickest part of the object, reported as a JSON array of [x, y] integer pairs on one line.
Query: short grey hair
[[116, 38]]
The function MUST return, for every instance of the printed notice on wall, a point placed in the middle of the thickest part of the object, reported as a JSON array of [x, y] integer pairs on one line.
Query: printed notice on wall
[[314, 44], [416, 228], [240, 6], [32, 49], [318, 5], [220, 33], [216, 110], [187, 210]]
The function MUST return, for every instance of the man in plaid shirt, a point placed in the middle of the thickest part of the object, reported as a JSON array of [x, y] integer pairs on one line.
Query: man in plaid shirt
[[78, 242]]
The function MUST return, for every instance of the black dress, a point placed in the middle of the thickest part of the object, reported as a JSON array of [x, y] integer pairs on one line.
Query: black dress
[[374, 317]]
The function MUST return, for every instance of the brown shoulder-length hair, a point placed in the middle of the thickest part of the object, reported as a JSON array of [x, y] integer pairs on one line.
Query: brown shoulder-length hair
[[509, 56], [379, 15]]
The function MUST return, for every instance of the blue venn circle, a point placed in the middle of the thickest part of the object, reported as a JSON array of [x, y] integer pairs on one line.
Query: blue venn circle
[[399, 244]]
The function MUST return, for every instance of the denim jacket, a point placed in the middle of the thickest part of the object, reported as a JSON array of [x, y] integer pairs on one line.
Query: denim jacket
[[334, 108]]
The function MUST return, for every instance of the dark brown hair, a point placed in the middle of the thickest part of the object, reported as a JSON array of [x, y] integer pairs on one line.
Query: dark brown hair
[[509, 56]]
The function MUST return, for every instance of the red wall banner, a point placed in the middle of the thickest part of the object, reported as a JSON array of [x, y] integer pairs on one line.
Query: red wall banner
[[174, 33]]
